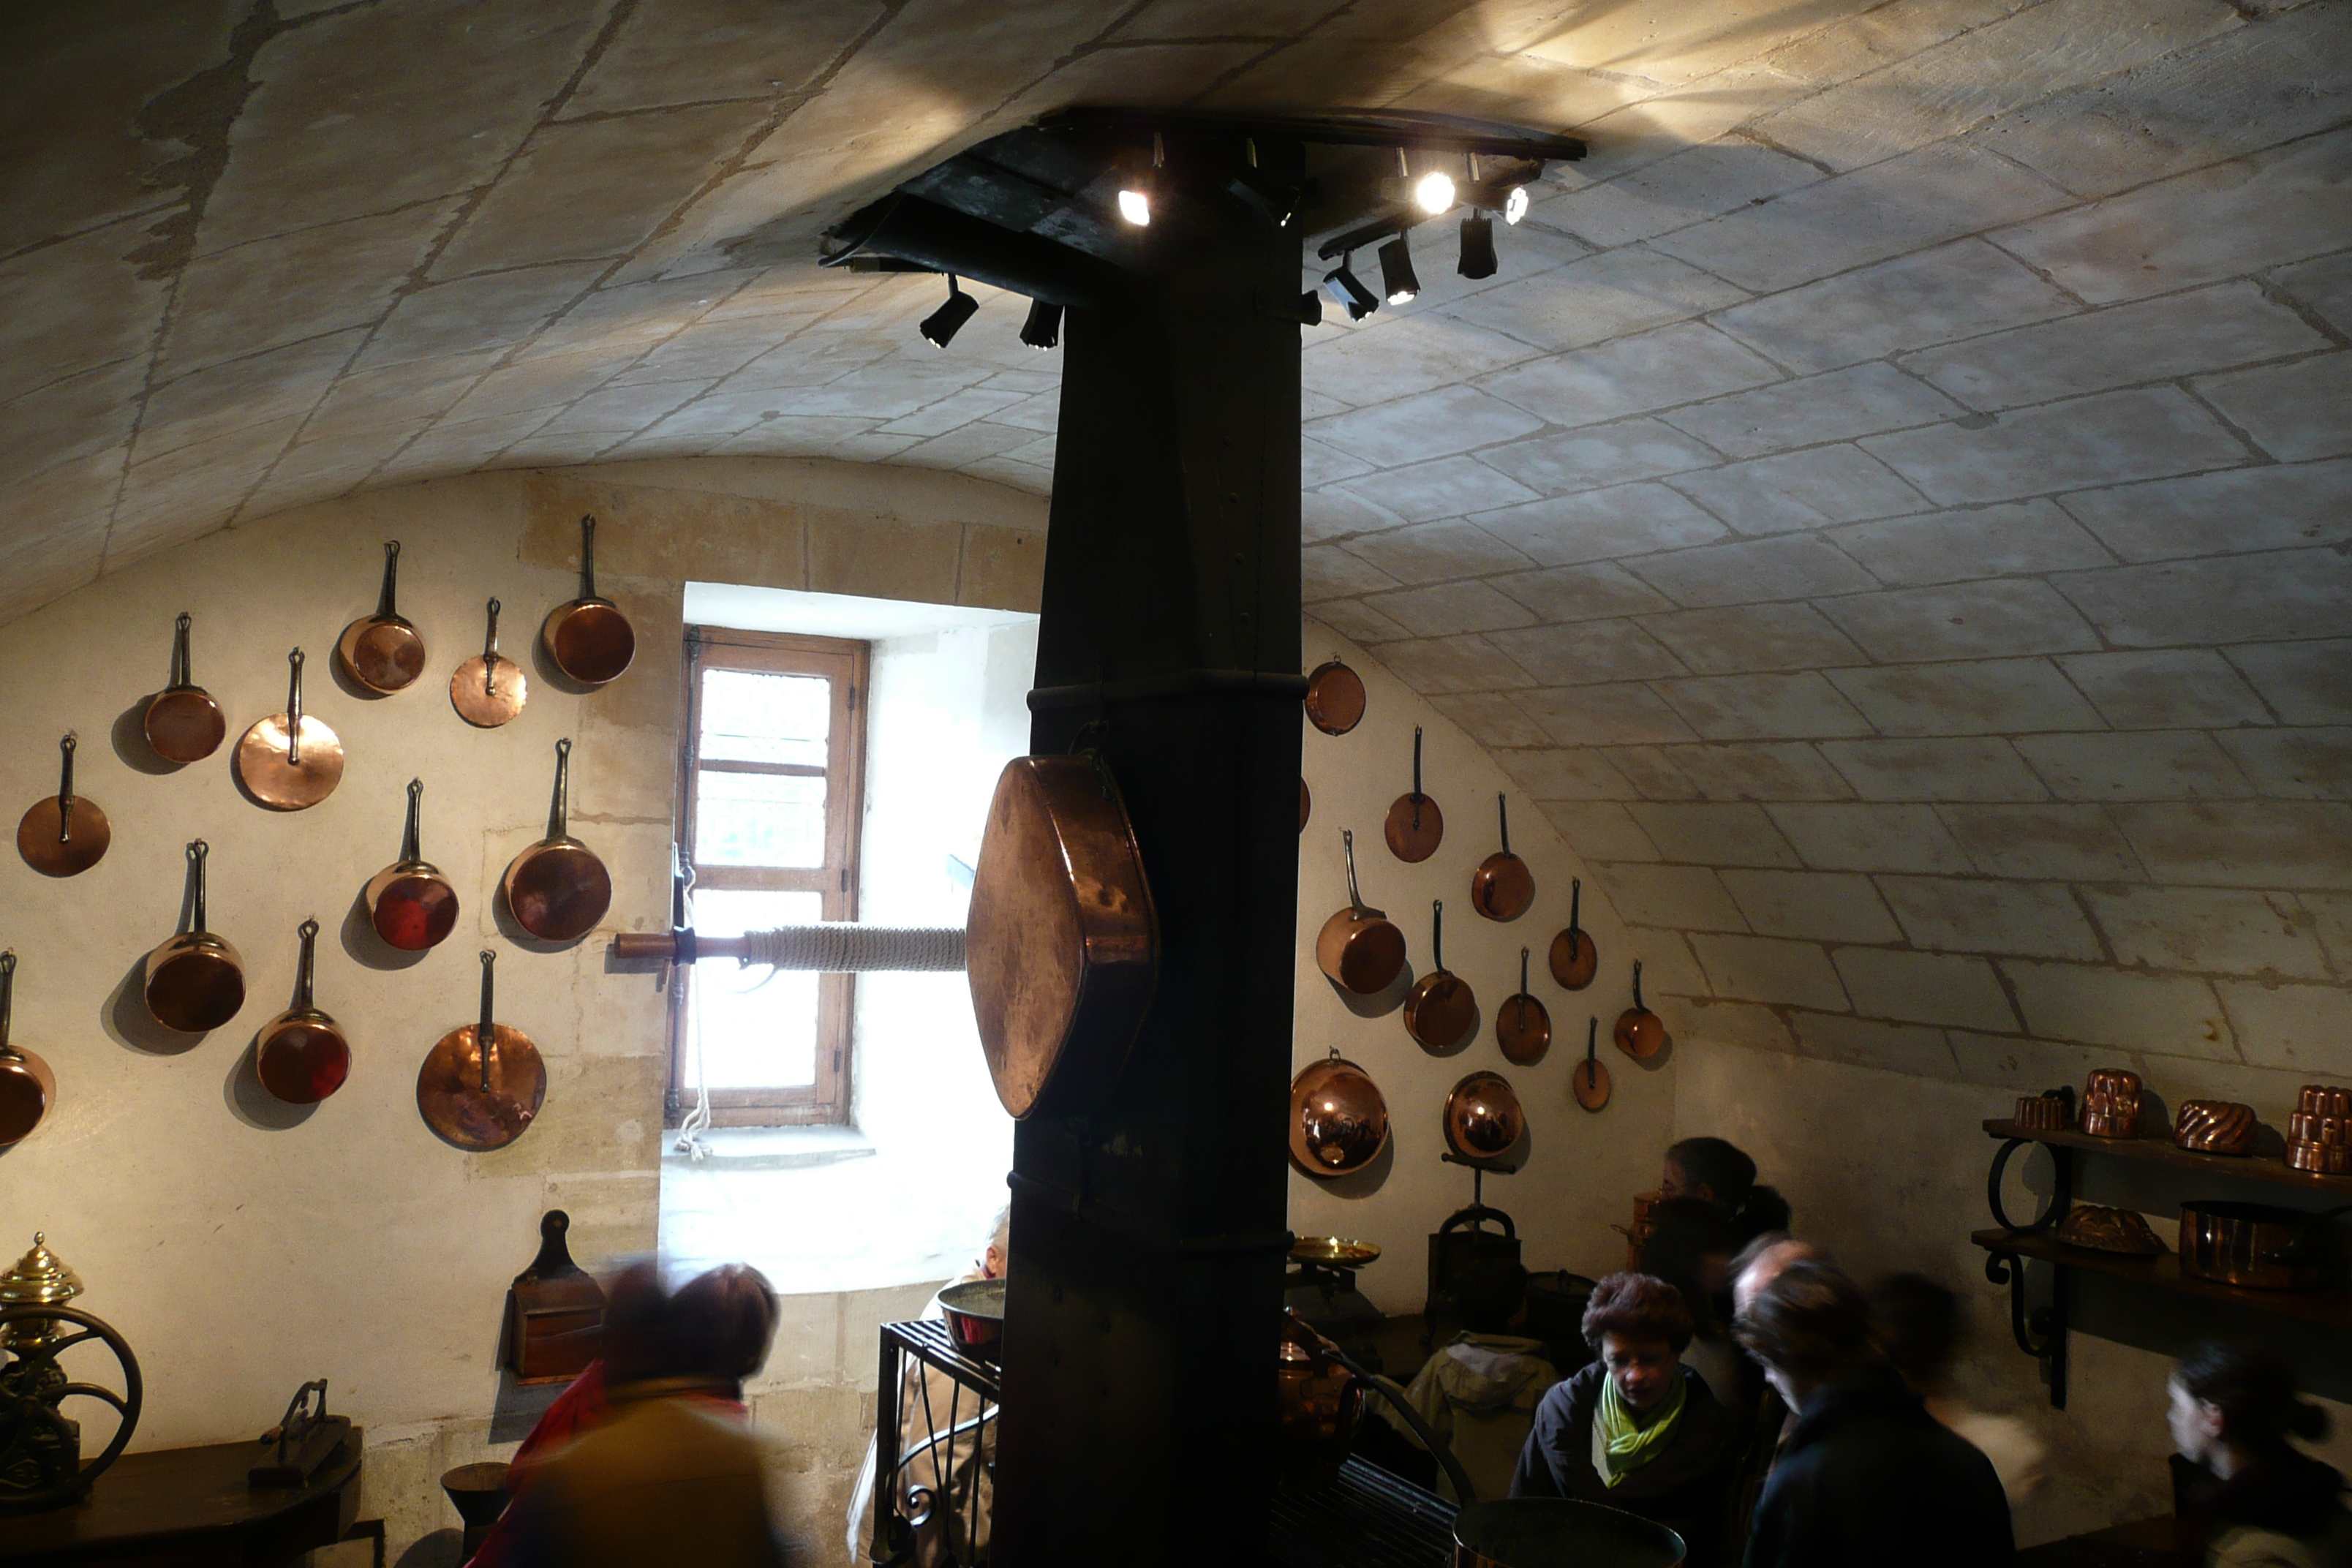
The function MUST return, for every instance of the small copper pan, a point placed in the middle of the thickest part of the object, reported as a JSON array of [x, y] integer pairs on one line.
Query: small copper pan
[[194, 982], [556, 888], [488, 690], [1502, 887], [1591, 1081], [383, 651], [301, 1055], [588, 639], [27, 1087], [182, 723], [410, 903], [1335, 697], [1339, 1120], [1641, 1034], [1574, 958], [286, 761], [1358, 947], [482, 1084], [1522, 1026], [1440, 1010], [1483, 1119], [1415, 826], [67, 834]]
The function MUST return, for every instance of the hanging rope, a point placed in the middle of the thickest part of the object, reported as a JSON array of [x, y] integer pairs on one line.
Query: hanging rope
[[841, 947]]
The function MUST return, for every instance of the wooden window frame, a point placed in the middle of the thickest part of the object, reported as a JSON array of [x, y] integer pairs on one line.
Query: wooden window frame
[[848, 666]]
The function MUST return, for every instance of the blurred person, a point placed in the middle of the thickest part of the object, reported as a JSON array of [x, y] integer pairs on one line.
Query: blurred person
[[1481, 1391], [1690, 1247], [1866, 1476], [2260, 1502], [1717, 1171], [1635, 1430], [1921, 1325]]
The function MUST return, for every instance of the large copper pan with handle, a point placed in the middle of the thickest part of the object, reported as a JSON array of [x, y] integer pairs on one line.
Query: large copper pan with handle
[[588, 639], [194, 982], [483, 1083], [1358, 947], [410, 903], [558, 889], [182, 723], [383, 652], [27, 1087]]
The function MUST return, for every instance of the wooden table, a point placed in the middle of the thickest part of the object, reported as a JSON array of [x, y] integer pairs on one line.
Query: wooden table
[[190, 1508]]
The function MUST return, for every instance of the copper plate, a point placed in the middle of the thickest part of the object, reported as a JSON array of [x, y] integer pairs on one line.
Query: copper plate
[[1063, 943], [288, 761], [1483, 1116], [1502, 887], [1590, 1083], [27, 1087], [1574, 959], [488, 690], [1333, 1251], [1415, 826], [1335, 697], [450, 1097], [67, 834], [1338, 1119]]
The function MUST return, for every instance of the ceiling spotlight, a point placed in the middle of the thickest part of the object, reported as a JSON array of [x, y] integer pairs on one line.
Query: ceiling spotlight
[[941, 325], [1398, 284], [1477, 246], [1434, 191], [1515, 205], [1043, 330], [1346, 288], [1135, 205]]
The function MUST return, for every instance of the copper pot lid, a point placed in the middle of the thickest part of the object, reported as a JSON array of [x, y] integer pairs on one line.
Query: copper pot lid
[[1502, 887], [302, 1056], [1335, 697], [1590, 1082], [1339, 1120], [182, 723], [195, 980], [1358, 948], [558, 889], [1483, 1116], [481, 1100], [1415, 826], [1574, 959], [588, 639], [27, 1087], [289, 761], [64, 835], [410, 903], [382, 652], [488, 690], [1442, 1010], [1063, 940], [1641, 1034], [1522, 1024]]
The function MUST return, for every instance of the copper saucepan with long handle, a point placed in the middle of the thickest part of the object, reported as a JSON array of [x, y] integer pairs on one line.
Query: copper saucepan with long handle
[[302, 1056], [1502, 887], [383, 652], [1441, 1011], [27, 1087], [1641, 1034], [487, 690], [410, 903], [182, 722], [66, 834], [1358, 947], [1415, 826], [1334, 697], [483, 1083], [1523, 1025], [194, 982], [1574, 958], [1590, 1083], [557, 890], [588, 639], [289, 761]]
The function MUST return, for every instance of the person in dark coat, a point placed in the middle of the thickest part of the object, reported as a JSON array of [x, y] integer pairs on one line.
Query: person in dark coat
[[2259, 1500], [1636, 1429], [1866, 1476]]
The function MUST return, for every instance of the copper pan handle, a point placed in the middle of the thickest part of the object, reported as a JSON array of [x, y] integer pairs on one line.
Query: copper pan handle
[[1637, 987], [294, 710], [588, 557], [65, 786], [304, 964], [1575, 900], [1591, 1041], [384, 600], [7, 1001], [1503, 810], [1416, 778], [490, 651], [558, 813], [486, 1033], [1437, 932], [181, 673], [197, 852], [412, 843], [1355, 899]]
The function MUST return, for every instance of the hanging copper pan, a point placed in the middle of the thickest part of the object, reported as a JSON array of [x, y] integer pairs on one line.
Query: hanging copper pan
[[1062, 947], [410, 903], [556, 888], [487, 690], [482, 1084], [194, 982], [1574, 959], [1483, 1116], [182, 723], [66, 834], [1590, 1082], [286, 761], [1415, 826], [383, 651], [588, 639], [1522, 1026], [1502, 887], [1358, 947], [1339, 1120], [27, 1087], [1641, 1034], [1441, 1011], [1335, 697], [301, 1055]]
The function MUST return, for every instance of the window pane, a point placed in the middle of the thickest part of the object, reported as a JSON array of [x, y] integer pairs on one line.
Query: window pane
[[753, 718], [752, 1027], [758, 819]]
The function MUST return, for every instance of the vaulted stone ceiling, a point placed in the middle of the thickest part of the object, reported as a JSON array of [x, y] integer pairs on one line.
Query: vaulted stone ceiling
[[1892, 503]]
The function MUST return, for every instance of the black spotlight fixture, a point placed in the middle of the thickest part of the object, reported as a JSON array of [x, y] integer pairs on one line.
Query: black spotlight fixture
[[1346, 288], [941, 325], [1477, 246], [1398, 284], [1043, 330]]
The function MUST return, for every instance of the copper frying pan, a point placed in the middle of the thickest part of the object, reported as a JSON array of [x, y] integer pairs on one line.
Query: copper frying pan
[[289, 761], [1522, 1026], [410, 903], [1441, 1011], [1483, 1117], [556, 888], [27, 1087], [65, 835], [1641, 1034], [1415, 826], [1502, 887], [195, 980], [1339, 1120], [1574, 959], [1335, 697], [1358, 947], [588, 639], [482, 1084], [488, 690], [302, 1056], [383, 651], [182, 722], [1591, 1081]]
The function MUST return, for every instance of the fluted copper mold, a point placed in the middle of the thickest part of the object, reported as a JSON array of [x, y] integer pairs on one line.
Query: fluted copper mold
[[2043, 1113], [2111, 1103], [2319, 1134], [2215, 1127]]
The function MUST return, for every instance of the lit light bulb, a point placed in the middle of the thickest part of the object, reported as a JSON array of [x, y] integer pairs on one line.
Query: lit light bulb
[[1135, 206], [1515, 205], [1433, 193]]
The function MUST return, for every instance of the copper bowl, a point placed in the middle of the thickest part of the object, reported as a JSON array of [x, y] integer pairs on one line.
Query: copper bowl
[[1483, 1116], [1339, 1120], [2261, 1247], [975, 1314]]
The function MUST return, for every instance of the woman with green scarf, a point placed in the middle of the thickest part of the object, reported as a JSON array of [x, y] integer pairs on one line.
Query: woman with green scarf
[[1635, 1429]]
